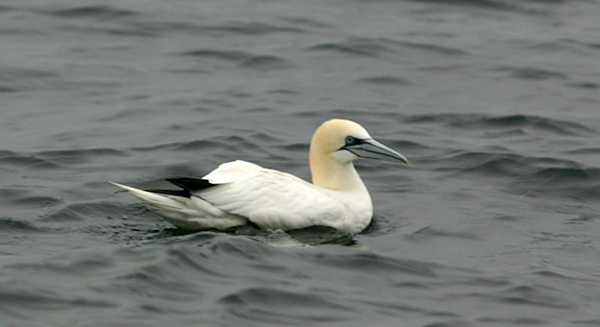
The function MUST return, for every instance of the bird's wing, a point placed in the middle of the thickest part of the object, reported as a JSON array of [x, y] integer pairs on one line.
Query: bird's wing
[[231, 171], [269, 198]]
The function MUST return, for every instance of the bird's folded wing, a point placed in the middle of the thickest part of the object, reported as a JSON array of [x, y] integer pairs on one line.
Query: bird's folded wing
[[273, 200]]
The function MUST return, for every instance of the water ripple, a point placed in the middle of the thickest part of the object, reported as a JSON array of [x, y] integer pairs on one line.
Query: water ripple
[[102, 12], [510, 122], [270, 305], [384, 80], [381, 46], [532, 73], [8, 225], [227, 55], [27, 160]]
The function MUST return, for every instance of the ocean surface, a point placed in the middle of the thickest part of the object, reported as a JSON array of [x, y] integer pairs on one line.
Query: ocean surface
[[496, 103]]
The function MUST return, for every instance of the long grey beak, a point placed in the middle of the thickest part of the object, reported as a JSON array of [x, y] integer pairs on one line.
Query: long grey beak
[[369, 148]]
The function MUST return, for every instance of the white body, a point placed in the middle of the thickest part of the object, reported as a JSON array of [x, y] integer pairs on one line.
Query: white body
[[271, 199]]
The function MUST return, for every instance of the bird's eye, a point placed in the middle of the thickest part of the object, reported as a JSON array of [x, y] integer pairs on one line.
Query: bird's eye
[[350, 140]]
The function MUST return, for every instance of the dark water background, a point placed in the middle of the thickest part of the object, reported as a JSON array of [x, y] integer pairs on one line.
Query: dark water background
[[495, 102]]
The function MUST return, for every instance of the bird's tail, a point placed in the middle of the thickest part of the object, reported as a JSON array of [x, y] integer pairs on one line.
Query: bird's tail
[[155, 200], [183, 210]]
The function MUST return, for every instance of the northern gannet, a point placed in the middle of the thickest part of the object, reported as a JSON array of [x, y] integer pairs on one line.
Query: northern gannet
[[239, 192]]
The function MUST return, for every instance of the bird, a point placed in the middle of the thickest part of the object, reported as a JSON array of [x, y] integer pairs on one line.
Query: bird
[[240, 193]]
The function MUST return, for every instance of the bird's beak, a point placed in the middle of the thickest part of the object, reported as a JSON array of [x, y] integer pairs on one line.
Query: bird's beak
[[369, 148]]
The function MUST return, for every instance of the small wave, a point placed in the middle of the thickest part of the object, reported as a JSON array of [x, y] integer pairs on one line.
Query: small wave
[[9, 225], [527, 169], [277, 299], [573, 183], [357, 46], [283, 306], [567, 175], [102, 12], [380, 46], [484, 163], [4, 8], [525, 175], [381, 225], [16, 79], [564, 275], [584, 150], [531, 73], [385, 80], [514, 321], [493, 4], [129, 113], [183, 146], [584, 322], [404, 145], [227, 55], [561, 44], [27, 160], [38, 201], [222, 30], [84, 212], [285, 91], [320, 235], [42, 300], [187, 260], [70, 156], [25, 197], [432, 233], [165, 274], [554, 46], [447, 68], [371, 263], [113, 31], [252, 28], [56, 159], [236, 142], [340, 112], [496, 5], [306, 21], [293, 147], [492, 165], [531, 296], [208, 144], [265, 63], [264, 137], [242, 248], [487, 123], [73, 266], [584, 85], [251, 141], [433, 48], [253, 109], [7, 89]]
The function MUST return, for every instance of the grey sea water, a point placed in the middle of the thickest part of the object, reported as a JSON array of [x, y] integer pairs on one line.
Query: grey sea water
[[495, 102]]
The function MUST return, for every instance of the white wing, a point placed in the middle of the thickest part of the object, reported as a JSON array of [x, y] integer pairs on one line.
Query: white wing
[[231, 171], [271, 199]]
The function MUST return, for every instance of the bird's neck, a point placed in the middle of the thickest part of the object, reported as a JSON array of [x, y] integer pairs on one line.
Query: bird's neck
[[335, 176]]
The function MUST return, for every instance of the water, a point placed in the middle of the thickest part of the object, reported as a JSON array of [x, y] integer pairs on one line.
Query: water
[[495, 103]]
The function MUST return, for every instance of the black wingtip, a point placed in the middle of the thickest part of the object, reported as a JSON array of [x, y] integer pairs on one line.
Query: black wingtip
[[190, 184], [182, 193]]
